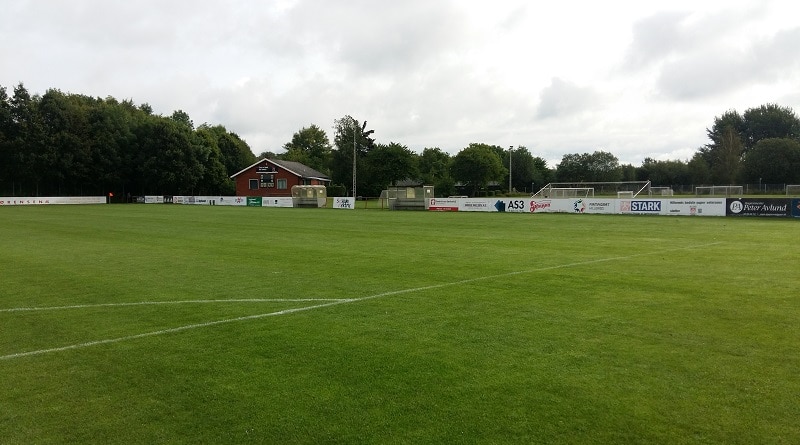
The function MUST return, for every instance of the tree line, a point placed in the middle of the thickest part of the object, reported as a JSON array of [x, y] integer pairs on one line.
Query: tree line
[[71, 144]]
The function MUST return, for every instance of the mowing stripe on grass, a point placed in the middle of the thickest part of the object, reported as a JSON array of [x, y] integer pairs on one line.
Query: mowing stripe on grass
[[150, 303], [343, 301]]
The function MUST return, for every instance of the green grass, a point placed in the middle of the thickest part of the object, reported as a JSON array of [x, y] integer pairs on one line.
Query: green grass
[[514, 328]]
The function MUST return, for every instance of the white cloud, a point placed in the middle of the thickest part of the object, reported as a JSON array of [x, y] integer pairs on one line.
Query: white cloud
[[638, 79]]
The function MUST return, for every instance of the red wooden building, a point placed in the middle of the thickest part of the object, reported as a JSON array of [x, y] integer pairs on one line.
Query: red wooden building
[[272, 177]]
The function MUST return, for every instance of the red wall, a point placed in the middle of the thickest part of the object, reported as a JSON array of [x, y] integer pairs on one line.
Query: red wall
[[243, 181]]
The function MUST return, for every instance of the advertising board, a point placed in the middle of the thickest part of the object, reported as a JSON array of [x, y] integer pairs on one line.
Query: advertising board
[[758, 207], [277, 202], [443, 204], [796, 208], [641, 206], [346, 202], [696, 207], [593, 206], [51, 200]]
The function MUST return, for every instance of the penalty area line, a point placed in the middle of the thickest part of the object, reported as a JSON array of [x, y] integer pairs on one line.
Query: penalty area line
[[349, 300]]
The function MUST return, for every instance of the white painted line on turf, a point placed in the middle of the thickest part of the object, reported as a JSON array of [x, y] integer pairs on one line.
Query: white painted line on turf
[[168, 331], [153, 303], [344, 301]]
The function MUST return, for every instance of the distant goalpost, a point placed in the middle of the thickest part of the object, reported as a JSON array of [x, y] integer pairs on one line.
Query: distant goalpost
[[719, 190], [620, 189], [793, 190]]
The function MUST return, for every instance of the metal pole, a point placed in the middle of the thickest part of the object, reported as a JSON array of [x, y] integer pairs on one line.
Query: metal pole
[[355, 125], [510, 147]]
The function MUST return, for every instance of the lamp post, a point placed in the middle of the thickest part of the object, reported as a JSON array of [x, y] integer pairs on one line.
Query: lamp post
[[355, 127], [510, 148]]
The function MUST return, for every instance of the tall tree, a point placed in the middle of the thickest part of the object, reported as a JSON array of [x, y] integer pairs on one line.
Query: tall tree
[[773, 161], [727, 158], [350, 136], [310, 146], [387, 164], [770, 121], [599, 166], [434, 169], [476, 166]]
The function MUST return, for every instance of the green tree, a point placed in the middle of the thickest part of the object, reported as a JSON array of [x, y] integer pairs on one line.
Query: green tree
[[774, 161], [6, 132], [350, 136], [664, 173], [770, 121], [476, 166], [236, 154], [699, 169], [726, 159], [387, 164], [310, 146], [599, 166], [434, 169]]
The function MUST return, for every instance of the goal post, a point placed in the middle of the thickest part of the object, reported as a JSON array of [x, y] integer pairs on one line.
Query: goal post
[[792, 189], [719, 190], [592, 189]]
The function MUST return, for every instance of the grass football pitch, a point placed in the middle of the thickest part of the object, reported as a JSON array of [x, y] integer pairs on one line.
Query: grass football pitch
[[189, 324]]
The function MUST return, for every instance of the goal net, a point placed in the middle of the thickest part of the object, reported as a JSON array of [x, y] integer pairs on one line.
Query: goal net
[[793, 190], [719, 190], [661, 191], [591, 189]]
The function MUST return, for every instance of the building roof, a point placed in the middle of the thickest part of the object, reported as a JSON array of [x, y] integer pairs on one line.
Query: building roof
[[296, 168]]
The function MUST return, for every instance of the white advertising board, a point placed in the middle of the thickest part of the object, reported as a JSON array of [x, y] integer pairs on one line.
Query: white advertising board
[[277, 202], [443, 204], [50, 200], [344, 202], [696, 207]]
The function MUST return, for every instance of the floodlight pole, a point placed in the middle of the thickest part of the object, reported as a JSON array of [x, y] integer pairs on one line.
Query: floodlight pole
[[355, 126], [510, 148]]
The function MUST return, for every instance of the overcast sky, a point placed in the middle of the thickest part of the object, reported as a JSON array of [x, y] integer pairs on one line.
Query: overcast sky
[[635, 78]]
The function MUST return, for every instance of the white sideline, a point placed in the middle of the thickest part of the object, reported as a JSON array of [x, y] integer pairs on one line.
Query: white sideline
[[333, 302], [152, 303]]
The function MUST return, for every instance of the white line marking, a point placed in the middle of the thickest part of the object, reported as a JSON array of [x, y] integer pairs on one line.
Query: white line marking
[[152, 303], [344, 301]]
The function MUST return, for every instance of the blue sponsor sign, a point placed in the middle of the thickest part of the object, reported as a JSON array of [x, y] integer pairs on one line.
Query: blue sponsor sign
[[646, 206], [796, 208]]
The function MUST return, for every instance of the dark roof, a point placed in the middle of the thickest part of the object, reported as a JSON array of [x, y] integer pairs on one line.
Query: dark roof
[[296, 168], [299, 169]]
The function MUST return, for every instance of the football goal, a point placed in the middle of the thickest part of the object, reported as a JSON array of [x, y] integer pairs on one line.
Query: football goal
[[591, 189], [661, 191], [719, 190], [793, 190]]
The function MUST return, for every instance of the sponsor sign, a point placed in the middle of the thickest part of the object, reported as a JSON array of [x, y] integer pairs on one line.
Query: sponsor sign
[[650, 206], [511, 205], [540, 206], [443, 204], [758, 207], [344, 203], [50, 200], [254, 201], [796, 208], [277, 202], [592, 205], [695, 207], [154, 200], [474, 205]]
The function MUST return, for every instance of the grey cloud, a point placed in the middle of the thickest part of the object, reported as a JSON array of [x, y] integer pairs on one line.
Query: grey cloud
[[563, 98], [722, 69], [665, 34]]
